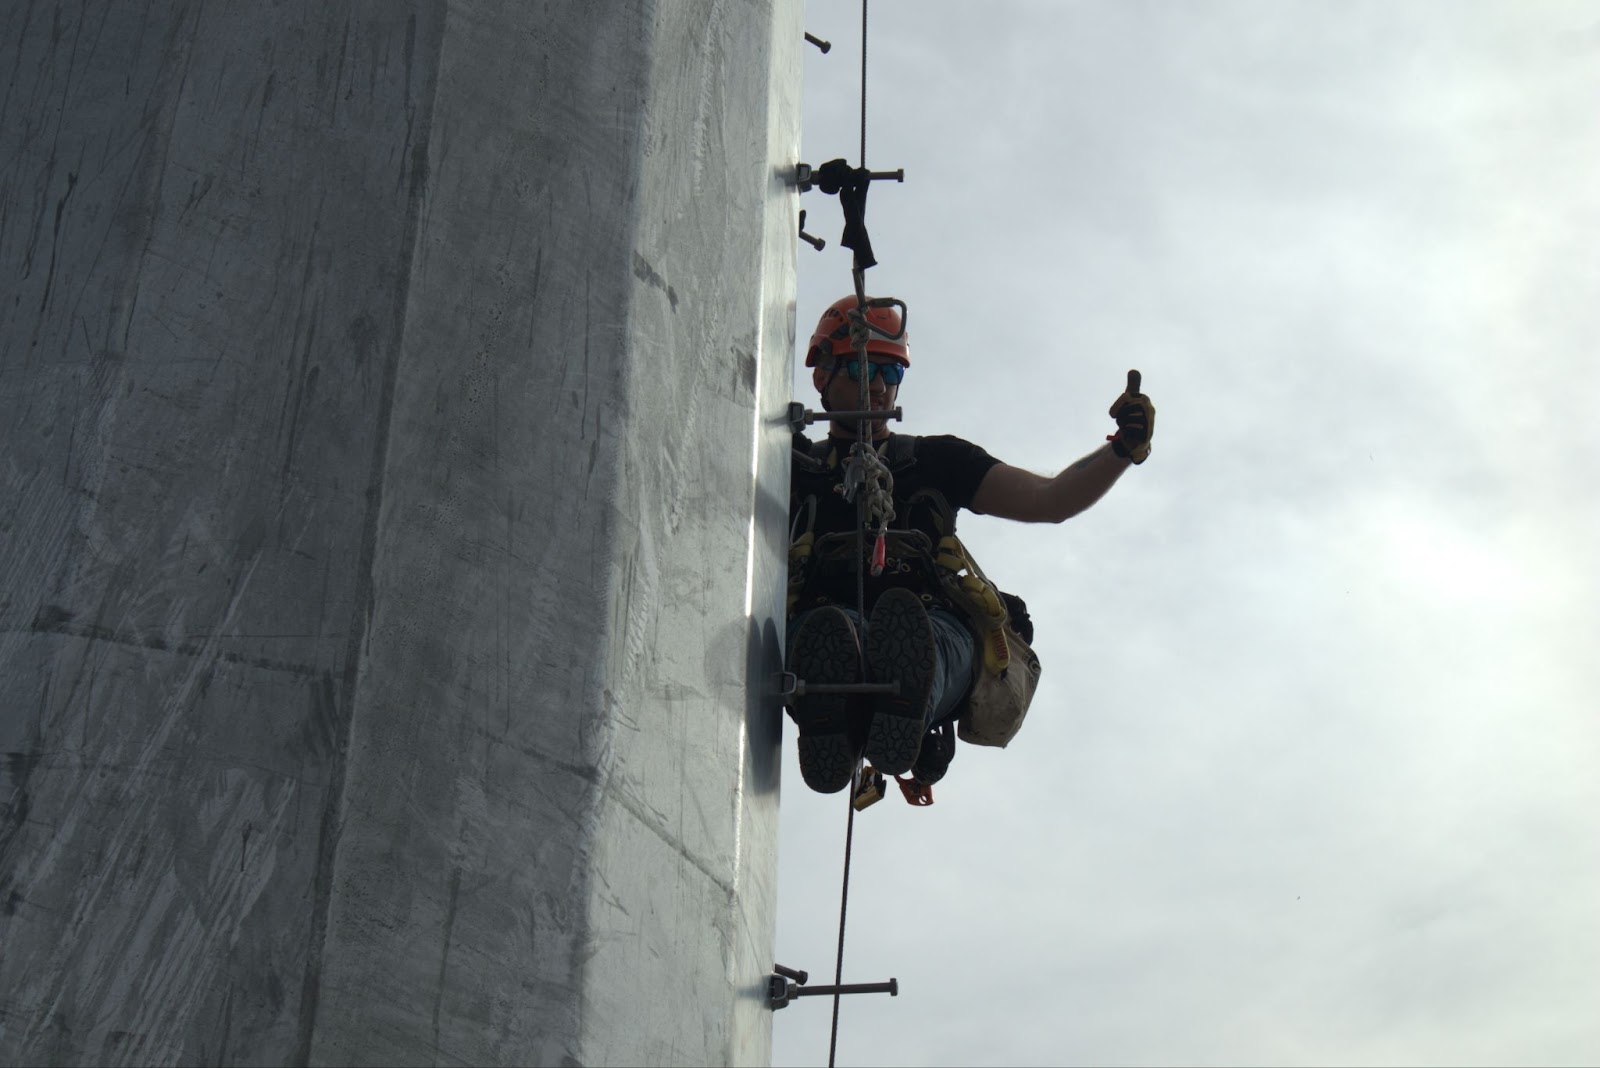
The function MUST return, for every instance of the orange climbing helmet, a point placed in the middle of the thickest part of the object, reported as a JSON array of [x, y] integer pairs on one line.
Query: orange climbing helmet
[[832, 336]]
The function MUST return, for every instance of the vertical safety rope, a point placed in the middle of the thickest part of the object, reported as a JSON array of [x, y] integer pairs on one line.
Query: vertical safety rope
[[857, 458], [864, 445], [844, 902], [861, 578], [862, 162]]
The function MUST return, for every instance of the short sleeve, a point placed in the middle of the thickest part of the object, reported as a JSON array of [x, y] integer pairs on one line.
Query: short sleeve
[[956, 466]]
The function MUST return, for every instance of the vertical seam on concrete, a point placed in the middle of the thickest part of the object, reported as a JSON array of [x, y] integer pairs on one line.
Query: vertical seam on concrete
[[649, 18], [361, 615]]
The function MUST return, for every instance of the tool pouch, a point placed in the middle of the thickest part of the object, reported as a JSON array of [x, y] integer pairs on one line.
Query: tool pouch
[[1009, 674]]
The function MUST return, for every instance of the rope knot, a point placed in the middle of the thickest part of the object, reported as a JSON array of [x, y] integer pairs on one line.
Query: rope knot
[[865, 472], [860, 329]]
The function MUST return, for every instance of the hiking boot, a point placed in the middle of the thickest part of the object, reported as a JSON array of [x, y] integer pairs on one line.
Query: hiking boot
[[899, 649], [826, 651]]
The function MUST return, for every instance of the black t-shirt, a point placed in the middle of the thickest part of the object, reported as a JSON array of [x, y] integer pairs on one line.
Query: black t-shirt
[[950, 465]]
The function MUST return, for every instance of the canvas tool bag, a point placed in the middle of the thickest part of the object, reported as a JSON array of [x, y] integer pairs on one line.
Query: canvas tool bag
[[1010, 670]]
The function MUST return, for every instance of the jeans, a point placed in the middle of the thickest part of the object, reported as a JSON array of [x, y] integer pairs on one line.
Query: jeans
[[955, 659]]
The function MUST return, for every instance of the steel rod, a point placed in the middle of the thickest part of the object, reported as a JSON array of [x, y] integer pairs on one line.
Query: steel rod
[[892, 988]]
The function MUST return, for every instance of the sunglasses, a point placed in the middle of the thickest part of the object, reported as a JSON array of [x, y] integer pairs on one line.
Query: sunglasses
[[892, 372]]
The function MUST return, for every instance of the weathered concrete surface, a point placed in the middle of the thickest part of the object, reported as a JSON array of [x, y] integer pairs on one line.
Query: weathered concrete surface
[[391, 517]]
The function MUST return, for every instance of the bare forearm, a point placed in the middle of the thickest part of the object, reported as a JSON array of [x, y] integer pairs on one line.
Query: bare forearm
[[1083, 483], [1012, 493]]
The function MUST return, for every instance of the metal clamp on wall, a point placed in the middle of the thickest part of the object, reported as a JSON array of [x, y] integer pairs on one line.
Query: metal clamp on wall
[[837, 178], [790, 686], [786, 984], [799, 416], [808, 177]]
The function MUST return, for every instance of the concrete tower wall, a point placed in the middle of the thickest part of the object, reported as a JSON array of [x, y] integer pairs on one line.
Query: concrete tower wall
[[392, 505]]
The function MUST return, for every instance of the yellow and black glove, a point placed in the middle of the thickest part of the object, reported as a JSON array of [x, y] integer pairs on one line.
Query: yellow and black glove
[[1136, 422]]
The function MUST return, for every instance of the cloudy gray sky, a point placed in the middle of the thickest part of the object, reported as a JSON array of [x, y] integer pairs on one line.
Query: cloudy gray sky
[[1313, 775]]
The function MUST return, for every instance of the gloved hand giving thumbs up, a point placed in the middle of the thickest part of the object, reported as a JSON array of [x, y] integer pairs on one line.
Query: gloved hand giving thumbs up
[[1136, 422]]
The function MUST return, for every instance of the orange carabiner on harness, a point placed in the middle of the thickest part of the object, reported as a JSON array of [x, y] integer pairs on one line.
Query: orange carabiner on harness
[[919, 794]]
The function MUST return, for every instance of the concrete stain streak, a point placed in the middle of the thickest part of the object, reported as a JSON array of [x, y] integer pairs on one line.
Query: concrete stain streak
[[55, 242], [413, 178], [50, 621], [644, 272], [444, 950], [654, 823], [161, 933], [300, 380]]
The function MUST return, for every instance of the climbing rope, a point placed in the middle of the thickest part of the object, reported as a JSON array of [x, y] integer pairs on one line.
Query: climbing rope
[[865, 472], [879, 504], [867, 475], [844, 904], [867, 479], [860, 466], [862, 161]]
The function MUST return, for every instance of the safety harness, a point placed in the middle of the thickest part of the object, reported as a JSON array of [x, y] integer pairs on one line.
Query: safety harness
[[944, 573]]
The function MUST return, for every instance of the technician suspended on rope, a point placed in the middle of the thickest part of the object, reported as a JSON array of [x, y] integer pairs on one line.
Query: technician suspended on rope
[[957, 647]]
